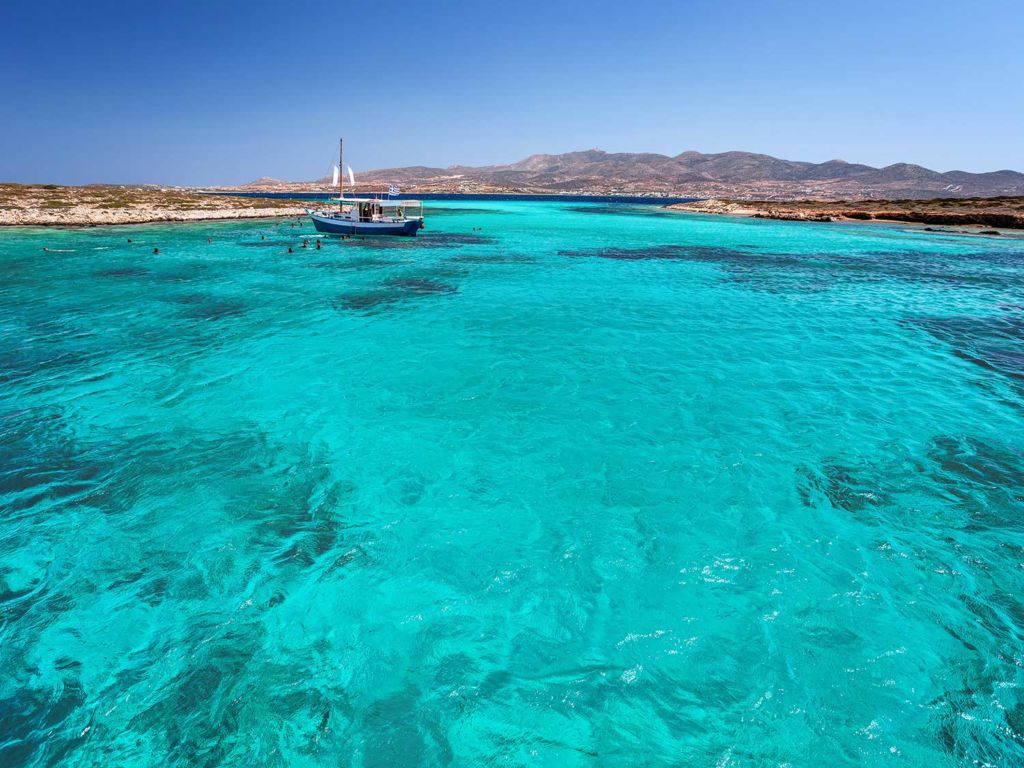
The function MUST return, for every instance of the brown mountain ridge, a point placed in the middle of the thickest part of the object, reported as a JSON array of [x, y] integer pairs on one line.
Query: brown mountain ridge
[[742, 175]]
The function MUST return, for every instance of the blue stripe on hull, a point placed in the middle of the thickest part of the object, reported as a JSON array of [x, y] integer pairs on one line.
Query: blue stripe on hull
[[405, 228]]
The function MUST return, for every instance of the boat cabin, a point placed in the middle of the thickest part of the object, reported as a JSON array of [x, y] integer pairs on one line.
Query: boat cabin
[[382, 210]]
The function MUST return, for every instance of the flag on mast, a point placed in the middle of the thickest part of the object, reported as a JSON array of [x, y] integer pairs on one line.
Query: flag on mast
[[337, 177], [393, 190]]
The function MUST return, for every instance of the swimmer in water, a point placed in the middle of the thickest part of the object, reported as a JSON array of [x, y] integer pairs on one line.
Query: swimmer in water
[[290, 249], [156, 251], [209, 240], [129, 239], [318, 243], [305, 243]]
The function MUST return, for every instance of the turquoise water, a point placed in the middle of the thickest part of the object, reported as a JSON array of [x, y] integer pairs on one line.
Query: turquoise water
[[552, 485]]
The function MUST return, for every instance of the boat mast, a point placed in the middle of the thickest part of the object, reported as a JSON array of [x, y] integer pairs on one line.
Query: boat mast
[[341, 172]]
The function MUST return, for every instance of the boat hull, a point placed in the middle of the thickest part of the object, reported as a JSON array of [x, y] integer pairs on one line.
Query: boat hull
[[332, 226]]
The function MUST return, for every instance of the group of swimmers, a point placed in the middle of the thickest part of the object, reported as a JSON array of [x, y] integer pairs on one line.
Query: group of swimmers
[[305, 244], [209, 241]]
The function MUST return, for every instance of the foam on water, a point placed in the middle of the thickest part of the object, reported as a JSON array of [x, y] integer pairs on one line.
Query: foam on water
[[584, 486]]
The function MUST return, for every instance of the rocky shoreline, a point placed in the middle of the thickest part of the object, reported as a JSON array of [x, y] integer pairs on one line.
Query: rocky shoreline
[[990, 213], [50, 205]]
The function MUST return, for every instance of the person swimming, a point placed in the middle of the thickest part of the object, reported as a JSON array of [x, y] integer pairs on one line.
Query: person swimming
[[156, 251], [290, 249]]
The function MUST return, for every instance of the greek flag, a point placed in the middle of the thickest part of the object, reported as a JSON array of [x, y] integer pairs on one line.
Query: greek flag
[[393, 190]]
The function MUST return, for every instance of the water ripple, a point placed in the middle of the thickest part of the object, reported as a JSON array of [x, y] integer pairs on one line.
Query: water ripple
[[577, 488]]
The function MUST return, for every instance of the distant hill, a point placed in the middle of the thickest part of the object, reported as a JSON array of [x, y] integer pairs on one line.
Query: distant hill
[[733, 174], [265, 181]]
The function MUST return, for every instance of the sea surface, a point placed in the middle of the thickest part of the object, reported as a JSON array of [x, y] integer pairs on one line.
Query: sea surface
[[554, 484]]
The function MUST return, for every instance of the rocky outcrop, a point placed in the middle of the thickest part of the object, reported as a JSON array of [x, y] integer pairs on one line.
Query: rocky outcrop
[[1001, 212], [794, 215], [966, 218]]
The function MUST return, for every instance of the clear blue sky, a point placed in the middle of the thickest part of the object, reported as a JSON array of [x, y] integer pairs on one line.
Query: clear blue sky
[[200, 91]]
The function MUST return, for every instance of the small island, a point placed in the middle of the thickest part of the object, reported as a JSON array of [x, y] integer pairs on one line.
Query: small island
[[55, 205]]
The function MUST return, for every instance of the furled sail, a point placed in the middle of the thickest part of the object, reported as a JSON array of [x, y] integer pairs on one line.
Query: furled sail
[[337, 177], [351, 178]]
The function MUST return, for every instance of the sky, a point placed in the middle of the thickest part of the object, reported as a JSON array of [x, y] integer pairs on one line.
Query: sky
[[208, 92]]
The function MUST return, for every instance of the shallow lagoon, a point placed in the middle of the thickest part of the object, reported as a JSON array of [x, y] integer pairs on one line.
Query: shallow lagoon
[[553, 484]]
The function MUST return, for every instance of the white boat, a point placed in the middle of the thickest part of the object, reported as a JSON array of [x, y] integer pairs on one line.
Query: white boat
[[381, 215]]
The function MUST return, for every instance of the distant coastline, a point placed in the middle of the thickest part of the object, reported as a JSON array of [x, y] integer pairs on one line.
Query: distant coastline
[[638, 199], [741, 175]]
